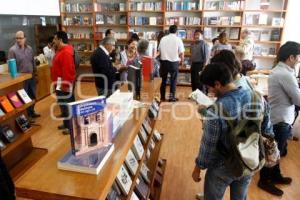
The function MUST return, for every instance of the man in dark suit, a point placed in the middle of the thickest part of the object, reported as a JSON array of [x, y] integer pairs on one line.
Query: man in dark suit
[[103, 68]]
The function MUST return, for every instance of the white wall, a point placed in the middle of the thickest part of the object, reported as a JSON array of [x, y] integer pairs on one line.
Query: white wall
[[292, 23], [30, 7]]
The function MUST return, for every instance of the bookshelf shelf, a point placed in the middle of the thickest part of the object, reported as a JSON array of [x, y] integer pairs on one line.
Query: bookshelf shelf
[[81, 39], [158, 26], [185, 11], [145, 11], [15, 112], [263, 26], [223, 11], [184, 70], [76, 13], [78, 26], [279, 11], [111, 11], [224, 26], [112, 25]]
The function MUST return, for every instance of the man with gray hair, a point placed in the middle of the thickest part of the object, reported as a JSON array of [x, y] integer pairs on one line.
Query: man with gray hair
[[102, 65], [23, 54]]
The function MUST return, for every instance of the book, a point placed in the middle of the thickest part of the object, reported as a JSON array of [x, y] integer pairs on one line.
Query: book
[[138, 148], [156, 135], [275, 35], [90, 162], [1, 113], [24, 96], [5, 104], [131, 162], [134, 197], [147, 126], [124, 181], [265, 35], [201, 98], [90, 125], [152, 113], [14, 99], [8, 133], [148, 67], [143, 135], [145, 172], [152, 144], [263, 19], [157, 179], [277, 21], [141, 188], [23, 123]]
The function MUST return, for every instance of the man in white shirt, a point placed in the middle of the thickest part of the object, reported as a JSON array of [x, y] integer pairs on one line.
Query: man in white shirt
[[171, 54], [49, 51]]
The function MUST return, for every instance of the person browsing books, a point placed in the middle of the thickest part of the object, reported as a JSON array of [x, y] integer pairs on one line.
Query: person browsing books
[[104, 71], [234, 100], [63, 75], [49, 51], [23, 54]]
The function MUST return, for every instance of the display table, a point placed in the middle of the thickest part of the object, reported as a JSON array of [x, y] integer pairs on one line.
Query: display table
[[45, 181]]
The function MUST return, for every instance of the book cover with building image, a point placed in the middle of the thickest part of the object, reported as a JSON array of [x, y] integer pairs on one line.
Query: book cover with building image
[[91, 125]]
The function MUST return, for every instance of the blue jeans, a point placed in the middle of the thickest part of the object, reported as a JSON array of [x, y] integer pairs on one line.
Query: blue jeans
[[30, 88], [282, 132], [218, 179]]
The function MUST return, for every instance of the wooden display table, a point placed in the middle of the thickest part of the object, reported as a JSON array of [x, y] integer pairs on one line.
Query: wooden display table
[[20, 154], [45, 181]]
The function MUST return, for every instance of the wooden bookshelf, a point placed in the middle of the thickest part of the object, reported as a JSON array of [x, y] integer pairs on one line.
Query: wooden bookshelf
[[201, 10], [17, 151]]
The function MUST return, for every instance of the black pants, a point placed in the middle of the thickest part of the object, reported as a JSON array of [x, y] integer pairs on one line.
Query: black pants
[[30, 88], [166, 68], [196, 68], [62, 99], [7, 187]]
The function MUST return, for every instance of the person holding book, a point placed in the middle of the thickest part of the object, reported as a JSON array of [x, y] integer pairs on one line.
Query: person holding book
[[63, 75], [218, 78], [199, 58], [221, 44], [171, 51], [105, 72], [129, 56], [24, 56]]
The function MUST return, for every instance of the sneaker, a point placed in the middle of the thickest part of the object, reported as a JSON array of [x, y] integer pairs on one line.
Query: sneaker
[[200, 196], [173, 100], [269, 187], [61, 127], [66, 132], [282, 180]]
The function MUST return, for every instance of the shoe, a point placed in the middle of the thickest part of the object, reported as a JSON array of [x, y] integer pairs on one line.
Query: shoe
[[35, 115], [162, 99], [173, 100], [66, 132], [200, 196], [31, 120], [269, 187], [282, 180], [61, 127]]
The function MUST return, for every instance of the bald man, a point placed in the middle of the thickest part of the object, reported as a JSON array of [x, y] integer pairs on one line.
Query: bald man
[[25, 64]]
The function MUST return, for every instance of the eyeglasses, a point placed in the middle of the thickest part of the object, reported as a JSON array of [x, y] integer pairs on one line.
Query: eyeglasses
[[19, 38]]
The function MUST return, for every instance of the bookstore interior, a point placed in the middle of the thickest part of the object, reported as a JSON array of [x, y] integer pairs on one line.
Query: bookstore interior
[[84, 112]]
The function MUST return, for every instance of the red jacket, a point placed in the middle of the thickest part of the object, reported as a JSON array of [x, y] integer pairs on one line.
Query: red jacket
[[63, 66]]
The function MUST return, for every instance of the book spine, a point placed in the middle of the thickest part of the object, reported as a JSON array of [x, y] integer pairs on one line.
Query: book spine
[[72, 136]]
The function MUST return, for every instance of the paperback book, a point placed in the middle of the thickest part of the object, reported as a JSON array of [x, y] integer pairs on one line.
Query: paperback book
[[90, 162], [7, 133], [201, 98], [14, 99], [91, 125], [138, 148], [141, 188], [5, 104], [131, 162], [23, 123], [24, 96], [124, 180]]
